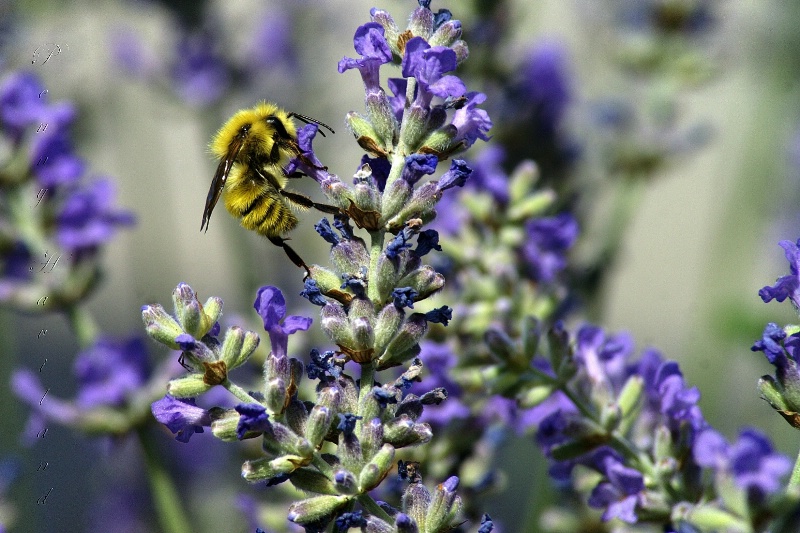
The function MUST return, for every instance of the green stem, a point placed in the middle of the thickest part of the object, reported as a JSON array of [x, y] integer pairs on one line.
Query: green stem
[[375, 250], [166, 497], [373, 508], [367, 381], [794, 480], [83, 325], [239, 392]]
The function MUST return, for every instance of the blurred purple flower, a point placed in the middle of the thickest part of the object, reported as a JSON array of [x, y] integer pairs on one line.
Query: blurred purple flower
[[755, 466], [438, 360], [88, 217], [130, 53], [548, 240], [54, 161], [15, 263], [110, 372], [21, 102], [271, 45], [488, 174], [546, 86], [200, 75], [28, 387], [271, 306], [621, 492]]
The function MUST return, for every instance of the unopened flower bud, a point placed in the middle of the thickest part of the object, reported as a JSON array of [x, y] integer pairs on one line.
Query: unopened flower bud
[[348, 257], [421, 23], [395, 197], [316, 509], [420, 206], [402, 431], [387, 326], [377, 468], [409, 336], [318, 424], [336, 326], [311, 481], [415, 127], [416, 501], [224, 427], [188, 387], [382, 117], [345, 482], [371, 437], [446, 34], [445, 504], [161, 326]]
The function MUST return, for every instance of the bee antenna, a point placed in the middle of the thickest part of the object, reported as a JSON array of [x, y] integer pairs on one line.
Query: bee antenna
[[309, 120]]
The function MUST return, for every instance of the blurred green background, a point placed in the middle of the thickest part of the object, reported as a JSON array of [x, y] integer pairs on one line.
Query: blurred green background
[[702, 243]]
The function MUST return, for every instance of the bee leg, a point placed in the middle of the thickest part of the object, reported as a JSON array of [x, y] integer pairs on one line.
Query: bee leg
[[278, 241], [305, 201], [182, 361]]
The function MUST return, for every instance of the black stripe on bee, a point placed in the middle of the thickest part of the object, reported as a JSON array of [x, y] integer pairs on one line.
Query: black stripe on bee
[[269, 213], [246, 211]]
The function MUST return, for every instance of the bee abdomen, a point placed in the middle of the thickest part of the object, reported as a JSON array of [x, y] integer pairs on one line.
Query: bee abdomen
[[269, 216]]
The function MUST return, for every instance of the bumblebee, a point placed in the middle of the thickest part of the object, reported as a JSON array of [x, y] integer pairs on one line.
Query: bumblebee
[[253, 148]]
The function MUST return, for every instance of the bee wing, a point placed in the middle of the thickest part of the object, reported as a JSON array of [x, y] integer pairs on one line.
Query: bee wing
[[220, 177]]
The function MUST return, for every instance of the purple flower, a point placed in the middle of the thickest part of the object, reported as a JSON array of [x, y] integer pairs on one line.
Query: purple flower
[[418, 165], [253, 418], [313, 293], [427, 240], [456, 176], [786, 286], [21, 105], [404, 297], [110, 372], [771, 344], [677, 402], [470, 122], [548, 240], [755, 466], [200, 75], [307, 161], [427, 65], [622, 491], [398, 101], [181, 416], [271, 306], [88, 217], [380, 169], [347, 423], [369, 41], [603, 358]]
